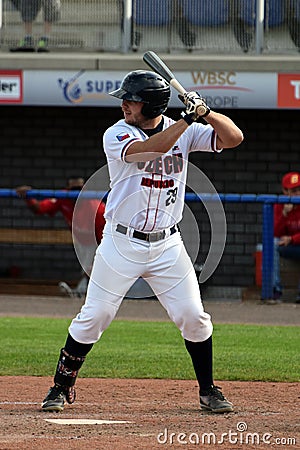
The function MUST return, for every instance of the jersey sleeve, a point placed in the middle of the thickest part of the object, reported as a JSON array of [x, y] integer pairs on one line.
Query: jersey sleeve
[[48, 206], [285, 225], [202, 138], [296, 239], [117, 139]]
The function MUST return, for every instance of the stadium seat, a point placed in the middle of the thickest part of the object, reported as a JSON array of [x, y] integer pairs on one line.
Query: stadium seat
[[244, 17], [207, 13], [274, 12], [156, 13], [293, 20]]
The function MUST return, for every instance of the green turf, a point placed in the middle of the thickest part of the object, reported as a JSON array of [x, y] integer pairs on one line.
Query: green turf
[[30, 346]]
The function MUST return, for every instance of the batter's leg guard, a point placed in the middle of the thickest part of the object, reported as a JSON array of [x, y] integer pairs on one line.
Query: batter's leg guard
[[66, 373]]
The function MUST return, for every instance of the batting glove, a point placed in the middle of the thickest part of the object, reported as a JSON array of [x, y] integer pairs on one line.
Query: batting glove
[[195, 105]]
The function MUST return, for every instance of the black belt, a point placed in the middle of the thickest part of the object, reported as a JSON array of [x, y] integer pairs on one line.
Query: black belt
[[149, 237]]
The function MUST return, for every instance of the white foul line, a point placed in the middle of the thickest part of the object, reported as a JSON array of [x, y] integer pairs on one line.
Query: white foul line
[[85, 421], [20, 403]]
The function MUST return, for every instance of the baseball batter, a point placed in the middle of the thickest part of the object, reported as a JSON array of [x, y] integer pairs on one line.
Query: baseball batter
[[147, 155]]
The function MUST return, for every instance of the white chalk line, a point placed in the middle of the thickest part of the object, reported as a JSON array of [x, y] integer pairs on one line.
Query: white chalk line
[[39, 403], [81, 421], [20, 403], [85, 421]]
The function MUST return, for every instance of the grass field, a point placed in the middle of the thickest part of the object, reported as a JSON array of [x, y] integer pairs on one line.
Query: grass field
[[30, 346]]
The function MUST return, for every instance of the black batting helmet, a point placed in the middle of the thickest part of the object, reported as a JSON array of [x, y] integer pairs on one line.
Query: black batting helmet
[[147, 87]]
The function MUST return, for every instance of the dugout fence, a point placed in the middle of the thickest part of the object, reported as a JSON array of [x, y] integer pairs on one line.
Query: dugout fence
[[203, 26], [62, 237]]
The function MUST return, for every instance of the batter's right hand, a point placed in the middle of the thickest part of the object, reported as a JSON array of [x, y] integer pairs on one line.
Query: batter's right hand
[[195, 105], [22, 190]]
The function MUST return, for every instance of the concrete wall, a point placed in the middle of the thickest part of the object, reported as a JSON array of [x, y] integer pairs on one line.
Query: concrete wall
[[42, 146]]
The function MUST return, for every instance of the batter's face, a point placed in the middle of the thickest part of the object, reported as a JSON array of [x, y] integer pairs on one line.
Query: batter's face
[[133, 115]]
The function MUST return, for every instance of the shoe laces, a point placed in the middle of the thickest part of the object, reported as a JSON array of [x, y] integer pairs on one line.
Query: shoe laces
[[215, 391], [55, 391]]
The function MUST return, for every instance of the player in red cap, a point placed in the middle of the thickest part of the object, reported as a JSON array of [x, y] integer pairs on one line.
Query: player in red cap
[[287, 229]]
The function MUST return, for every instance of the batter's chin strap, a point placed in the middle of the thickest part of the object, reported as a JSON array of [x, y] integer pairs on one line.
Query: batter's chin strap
[[66, 373]]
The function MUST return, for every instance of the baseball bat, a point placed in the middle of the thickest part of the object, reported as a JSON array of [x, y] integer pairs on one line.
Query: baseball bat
[[154, 61]]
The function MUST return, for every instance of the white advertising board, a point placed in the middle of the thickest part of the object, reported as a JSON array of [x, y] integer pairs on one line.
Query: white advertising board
[[221, 89]]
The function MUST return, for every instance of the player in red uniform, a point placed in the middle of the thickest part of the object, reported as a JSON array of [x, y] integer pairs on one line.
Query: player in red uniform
[[83, 232], [287, 228]]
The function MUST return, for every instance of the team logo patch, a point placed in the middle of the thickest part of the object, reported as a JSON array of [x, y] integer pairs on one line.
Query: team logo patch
[[122, 137]]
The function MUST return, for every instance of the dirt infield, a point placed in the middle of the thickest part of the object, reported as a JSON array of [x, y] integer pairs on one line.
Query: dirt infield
[[154, 414], [149, 414]]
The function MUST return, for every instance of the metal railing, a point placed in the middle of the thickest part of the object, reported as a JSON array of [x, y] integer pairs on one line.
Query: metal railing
[[266, 200], [203, 26]]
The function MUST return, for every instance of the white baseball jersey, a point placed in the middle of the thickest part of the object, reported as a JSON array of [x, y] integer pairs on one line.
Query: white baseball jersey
[[149, 196]]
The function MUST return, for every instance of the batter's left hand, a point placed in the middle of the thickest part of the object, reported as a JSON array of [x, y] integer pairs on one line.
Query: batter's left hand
[[196, 106], [187, 96]]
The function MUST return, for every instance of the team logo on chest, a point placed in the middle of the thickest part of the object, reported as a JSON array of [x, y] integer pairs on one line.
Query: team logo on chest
[[163, 165]]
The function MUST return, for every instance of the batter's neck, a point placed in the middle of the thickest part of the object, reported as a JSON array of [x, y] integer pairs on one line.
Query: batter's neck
[[156, 128]]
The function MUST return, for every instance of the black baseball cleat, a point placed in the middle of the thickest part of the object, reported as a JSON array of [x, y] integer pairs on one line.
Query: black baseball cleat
[[214, 401], [55, 400]]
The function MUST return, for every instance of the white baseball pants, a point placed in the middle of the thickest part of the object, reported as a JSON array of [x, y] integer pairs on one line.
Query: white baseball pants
[[119, 261]]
